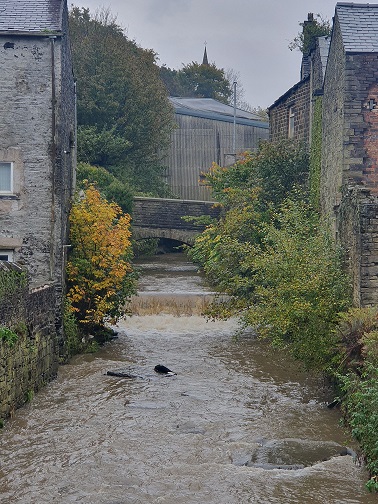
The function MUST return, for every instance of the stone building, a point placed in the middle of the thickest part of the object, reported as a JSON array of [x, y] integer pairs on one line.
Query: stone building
[[37, 137], [290, 116], [349, 177], [342, 71], [37, 167]]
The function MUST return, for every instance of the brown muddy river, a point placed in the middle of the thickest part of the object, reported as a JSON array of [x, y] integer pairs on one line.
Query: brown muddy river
[[238, 424]]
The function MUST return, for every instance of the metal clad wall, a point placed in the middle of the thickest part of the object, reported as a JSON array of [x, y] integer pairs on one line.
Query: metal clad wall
[[197, 143]]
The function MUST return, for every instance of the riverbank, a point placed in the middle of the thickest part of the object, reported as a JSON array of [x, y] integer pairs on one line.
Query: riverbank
[[357, 382]]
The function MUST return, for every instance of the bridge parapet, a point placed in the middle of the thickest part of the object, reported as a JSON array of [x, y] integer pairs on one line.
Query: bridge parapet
[[162, 218]]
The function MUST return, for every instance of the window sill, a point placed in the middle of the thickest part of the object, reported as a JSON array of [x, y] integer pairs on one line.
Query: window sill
[[9, 197]]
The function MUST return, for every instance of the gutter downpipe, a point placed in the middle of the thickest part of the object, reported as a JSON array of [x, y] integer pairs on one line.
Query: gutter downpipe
[[53, 155], [234, 130]]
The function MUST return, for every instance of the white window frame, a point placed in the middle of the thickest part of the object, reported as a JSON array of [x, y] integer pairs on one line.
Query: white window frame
[[8, 253], [2, 192], [291, 122]]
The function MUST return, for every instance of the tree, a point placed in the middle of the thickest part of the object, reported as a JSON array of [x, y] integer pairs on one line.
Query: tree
[[113, 189], [311, 29], [175, 85], [272, 256], [99, 274], [276, 168], [197, 80], [206, 81], [124, 116]]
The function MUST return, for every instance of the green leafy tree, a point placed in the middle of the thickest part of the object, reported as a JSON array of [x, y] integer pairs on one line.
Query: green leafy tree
[[206, 81], [311, 29], [175, 85], [124, 116], [272, 256], [300, 287], [276, 168], [197, 80], [113, 189]]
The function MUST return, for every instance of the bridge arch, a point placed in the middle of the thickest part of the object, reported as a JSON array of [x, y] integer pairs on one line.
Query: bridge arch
[[163, 218]]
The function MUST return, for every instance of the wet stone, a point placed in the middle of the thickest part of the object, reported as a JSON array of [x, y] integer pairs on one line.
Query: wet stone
[[294, 454]]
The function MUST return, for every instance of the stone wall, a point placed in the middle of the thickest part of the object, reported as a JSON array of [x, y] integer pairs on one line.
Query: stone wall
[[297, 98], [37, 135], [163, 218], [32, 360], [168, 213], [349, 180], [357, 225], [333, 128]]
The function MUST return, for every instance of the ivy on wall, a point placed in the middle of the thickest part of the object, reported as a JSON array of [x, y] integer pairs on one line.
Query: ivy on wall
[[316, 153], [12, 279]]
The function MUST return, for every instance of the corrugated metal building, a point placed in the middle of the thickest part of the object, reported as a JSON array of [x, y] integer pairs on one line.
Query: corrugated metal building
[[205, 134]]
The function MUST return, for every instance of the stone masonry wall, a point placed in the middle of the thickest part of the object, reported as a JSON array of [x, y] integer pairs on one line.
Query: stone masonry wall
[[162, 218], [33, 360], [333, 128], [358, 226], [168, 213], [298, 98], [349, 180], [26, 140]]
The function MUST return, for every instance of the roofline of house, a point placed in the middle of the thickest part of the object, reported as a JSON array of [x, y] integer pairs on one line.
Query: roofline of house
[[221, 117], [289, 91], [17, 33]]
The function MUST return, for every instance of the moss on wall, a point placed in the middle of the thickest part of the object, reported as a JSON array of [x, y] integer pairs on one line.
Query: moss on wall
[[316, 152]]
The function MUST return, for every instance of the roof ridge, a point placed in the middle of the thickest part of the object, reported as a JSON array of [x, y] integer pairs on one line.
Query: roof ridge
[[352, 4]]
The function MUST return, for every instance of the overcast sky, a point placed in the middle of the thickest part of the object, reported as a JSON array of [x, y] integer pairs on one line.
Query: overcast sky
[[249, 36]]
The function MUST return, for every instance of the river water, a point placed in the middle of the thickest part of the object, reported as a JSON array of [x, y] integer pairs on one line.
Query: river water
[[238, 423]]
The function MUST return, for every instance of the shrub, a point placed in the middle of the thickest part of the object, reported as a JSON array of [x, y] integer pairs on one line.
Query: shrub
[[99, 273], [8, 335]]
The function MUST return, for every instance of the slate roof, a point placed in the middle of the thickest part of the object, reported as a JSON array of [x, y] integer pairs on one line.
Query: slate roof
[[27, 16], [359, 26]]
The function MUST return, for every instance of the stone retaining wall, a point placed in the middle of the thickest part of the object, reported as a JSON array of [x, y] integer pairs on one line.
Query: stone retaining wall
[[32, 360]]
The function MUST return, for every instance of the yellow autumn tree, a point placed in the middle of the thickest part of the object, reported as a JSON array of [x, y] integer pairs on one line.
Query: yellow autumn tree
[[99, 273]]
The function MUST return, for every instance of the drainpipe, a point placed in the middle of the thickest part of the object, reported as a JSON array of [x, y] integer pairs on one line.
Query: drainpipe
[[234, 132], [74, 147], [53, 156]]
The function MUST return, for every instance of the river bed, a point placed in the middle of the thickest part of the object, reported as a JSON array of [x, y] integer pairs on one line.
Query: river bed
[[238, 424]]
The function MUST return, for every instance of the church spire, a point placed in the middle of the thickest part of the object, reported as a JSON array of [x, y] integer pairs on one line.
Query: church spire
[[205, 60]]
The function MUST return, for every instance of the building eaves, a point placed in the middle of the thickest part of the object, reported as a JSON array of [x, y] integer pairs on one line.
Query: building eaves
[[359, 26], [31, 17], [289, 92], [211, 105], [219, 117], [207, 108]]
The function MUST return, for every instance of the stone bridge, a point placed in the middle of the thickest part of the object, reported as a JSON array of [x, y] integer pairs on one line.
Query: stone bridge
[[162, 218]]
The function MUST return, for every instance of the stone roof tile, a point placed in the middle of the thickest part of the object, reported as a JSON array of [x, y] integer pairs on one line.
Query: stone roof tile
[[359, 26], [31, 15]]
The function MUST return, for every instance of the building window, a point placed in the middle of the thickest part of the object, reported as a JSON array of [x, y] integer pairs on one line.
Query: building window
[[6, 255], [6, 178], [291, 122]]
